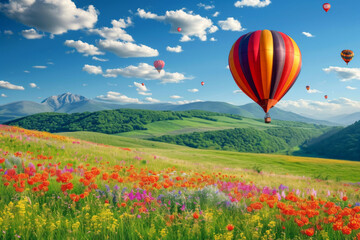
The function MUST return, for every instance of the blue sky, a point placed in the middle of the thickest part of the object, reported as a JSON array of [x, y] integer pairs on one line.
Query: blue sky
[[44, 53]]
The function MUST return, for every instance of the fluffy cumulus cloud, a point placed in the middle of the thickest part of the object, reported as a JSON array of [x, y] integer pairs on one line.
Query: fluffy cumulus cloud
[[117, 32], [152, 100], [191, 24], [100, 59], [351, 88], [213, 29], [127, 49], [146, 71], [252, 3], [216, 14], [7, 85], [142, 89], [314, 91], [3, 95], [307, 34], [206, 7], [176, 49], [194, 90], [175, 97], [345, 74], [92, 69], [231, 24], [117, 97], [32, 85], [321, 109], [31, 34], [83, 47], [53, 16], [213, 39], [39, 67]]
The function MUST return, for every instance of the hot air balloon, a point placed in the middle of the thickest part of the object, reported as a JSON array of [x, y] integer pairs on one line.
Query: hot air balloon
[[159, 64], [326, 6], [202, 83], [143, 84], [326, 97], [265, 65], [308, 88], [179, 29], [347, 55]]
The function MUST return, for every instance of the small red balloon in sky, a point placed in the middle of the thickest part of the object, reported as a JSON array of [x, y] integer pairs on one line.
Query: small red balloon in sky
[[326, 6], [179, 29], [143, 84], [202, 83], [326, 97]]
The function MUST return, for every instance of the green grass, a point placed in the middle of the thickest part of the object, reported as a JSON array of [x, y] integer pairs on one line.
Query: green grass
[[212, 159], [189, 125]]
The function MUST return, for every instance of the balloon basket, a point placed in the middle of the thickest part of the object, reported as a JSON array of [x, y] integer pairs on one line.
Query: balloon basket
[[267, 120]]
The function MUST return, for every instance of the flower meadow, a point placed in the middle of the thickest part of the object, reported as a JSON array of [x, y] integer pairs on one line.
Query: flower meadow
[[55, 187]]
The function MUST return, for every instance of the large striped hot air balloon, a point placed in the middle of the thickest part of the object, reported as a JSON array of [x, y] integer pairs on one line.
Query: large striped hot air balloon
[[265, 65], [347, 55], [159, 64]]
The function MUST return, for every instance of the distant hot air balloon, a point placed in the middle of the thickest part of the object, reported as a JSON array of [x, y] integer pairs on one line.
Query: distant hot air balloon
[[326, 97], [347, 55], [265, 65], [159, 64], [202, 83], [326, 6], [143, 84], [308, 88], [179, 29]]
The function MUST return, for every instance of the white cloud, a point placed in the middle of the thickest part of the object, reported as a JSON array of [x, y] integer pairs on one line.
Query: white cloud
[[50, 63], [216, 14], [185, 102], [176, 49], [7, 85], [321, 109], [314, 91], [152, 100], [252, 3], [127, 49], [227, 66], [3, 95], [213, 39], [142, 90], [117, 97], [83, 47], [308, 34], [206, 7], [26, 71], [194, 90], [146, 71], [351, 88], [84, 84], [175, 97], [345, 74], [237, 91], [92, 69], [186, 38], [191, 24], [8, 32], [145, 93], [231, 24], [40, 67], [213, 29], [100, 59], [31, 34], [32, 85], [117, 32], [53, 16]]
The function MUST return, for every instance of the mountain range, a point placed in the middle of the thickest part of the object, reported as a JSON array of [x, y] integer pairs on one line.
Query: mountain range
[[72, 103]]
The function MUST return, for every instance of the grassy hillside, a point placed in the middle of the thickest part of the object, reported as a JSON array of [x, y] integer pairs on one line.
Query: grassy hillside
[[213, 159], [342, 144]]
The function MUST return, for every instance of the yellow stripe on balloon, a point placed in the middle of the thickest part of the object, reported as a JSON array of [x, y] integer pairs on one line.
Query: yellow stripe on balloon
[[266, 61], [294, 69], [234, 71]]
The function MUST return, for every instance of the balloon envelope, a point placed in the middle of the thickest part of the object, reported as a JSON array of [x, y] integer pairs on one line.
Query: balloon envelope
[[202, 83], [143, 84], [347, 55], [159, 64], [308, 88], [326, 6], [265, 65], [326, 97], [179, 29]]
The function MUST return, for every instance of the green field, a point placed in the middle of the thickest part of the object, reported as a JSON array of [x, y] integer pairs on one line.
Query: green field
[[210, 159], [194, 124]]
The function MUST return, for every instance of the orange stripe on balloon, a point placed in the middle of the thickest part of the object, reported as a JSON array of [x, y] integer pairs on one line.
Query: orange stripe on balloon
[[266, 61]]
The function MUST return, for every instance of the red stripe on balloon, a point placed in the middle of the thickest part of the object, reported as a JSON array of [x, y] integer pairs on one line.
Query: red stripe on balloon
[[254, 61]]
